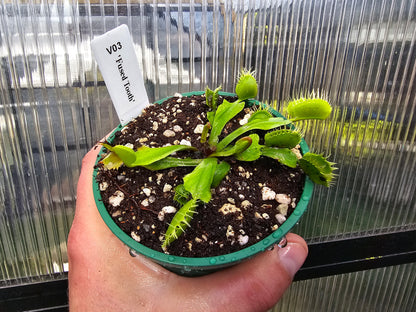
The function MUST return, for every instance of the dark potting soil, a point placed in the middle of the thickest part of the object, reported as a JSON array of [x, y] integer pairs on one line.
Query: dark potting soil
[[252, 201]]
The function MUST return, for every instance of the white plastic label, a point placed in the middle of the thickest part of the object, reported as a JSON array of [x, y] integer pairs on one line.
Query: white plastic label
[[119, 66]]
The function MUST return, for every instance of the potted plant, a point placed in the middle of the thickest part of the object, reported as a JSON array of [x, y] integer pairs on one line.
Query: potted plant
[[203, 180]]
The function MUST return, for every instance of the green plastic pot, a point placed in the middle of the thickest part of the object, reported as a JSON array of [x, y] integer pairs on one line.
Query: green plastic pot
[[199, 266]]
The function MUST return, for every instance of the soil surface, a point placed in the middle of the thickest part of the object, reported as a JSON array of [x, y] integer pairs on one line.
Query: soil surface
[[252, 201]]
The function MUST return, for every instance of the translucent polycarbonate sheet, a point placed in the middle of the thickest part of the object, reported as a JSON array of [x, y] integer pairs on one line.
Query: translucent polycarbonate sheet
[[384, 289], [359, 54]]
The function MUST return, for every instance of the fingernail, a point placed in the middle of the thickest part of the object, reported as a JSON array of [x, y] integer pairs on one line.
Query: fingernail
[[292, 257], [282, 243]]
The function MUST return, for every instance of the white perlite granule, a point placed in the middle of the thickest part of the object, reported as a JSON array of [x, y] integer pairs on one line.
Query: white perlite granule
[[246, 204], [167, 187], [267, 193], [135, 236], [230, 232], [245, 119], [147, 191], [177, 128], [103, 186], [283, 199], [185, 142], [280, 218], [116, 199], [169, 133], [198, 129], [230, 208], [282, 208], [165, 210], [242, 239], [169, 209]]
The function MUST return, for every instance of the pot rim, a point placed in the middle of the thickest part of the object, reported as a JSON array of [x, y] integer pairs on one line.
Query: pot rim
[[206, 262]]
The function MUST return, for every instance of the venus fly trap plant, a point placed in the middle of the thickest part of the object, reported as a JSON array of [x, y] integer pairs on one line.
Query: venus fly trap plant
[[246, 143]]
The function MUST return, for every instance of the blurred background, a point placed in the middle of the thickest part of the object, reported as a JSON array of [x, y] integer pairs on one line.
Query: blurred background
[[359, 54]]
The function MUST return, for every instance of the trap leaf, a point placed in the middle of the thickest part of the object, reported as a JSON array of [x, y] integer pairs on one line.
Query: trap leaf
[[318, 168], [199, 181], [240, 146], [211, 97], [253, 152], [308, 108], [179, 222], [246, 87], [181, 196], [282, 138], [258, 124], [283, 155], [112, 161]]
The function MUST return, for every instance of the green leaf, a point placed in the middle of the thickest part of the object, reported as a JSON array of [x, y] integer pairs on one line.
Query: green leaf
[[211, 116], [211, 97], [260, 114], [199, 181], [112, 161], [284, 155], [246, 87], [126, 154], [283, 138], [180, 222], [318, 168], [181, 196], [220, 172], [240, 146], [205, 131], [305, 108], [144, 155], [253, 152], [148, 155], [171, 162], [225, 112], [260, 124]]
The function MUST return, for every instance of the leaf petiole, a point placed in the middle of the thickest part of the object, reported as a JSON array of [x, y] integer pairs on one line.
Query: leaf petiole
[[258, 124]]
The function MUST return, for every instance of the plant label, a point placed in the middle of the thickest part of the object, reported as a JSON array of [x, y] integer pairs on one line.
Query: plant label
[[114, 53]]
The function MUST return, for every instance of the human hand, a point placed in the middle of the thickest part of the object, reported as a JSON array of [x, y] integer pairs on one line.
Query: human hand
[[104, 277]]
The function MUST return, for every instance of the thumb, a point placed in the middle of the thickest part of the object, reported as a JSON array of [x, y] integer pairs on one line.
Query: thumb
[[256, 284]]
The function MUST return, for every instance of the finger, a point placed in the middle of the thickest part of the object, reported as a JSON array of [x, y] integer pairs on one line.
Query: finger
[[84, 188], [254, 285], [99, 260], [89, 234], [85, 179]]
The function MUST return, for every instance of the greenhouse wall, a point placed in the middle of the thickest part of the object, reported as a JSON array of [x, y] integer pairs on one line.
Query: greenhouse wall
[[358, 54]]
